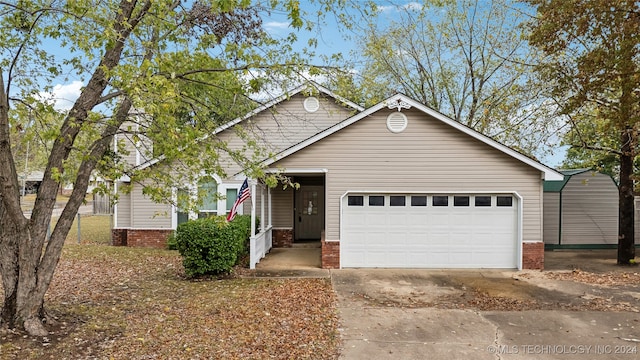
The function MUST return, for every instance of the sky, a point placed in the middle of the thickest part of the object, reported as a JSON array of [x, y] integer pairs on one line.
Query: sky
[[331, 39]]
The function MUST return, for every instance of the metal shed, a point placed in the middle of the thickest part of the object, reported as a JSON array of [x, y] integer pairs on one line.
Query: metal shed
[[581, 211]]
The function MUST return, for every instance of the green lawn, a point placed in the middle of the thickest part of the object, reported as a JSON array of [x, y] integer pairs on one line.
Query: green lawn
[[94, 229]]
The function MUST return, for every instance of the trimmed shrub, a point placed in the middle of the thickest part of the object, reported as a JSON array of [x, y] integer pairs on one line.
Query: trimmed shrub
[[212, 246], [171, 242]]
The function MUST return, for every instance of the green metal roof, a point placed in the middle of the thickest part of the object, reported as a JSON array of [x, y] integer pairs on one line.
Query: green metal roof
[[557, 186]]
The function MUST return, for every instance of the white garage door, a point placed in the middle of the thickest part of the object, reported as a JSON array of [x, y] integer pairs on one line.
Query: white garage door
[[429, 231]]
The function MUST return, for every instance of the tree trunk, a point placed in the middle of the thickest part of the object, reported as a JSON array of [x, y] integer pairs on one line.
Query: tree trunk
[[22, 306], [27, 260], [628, 143], [8, 267], [626, 228]]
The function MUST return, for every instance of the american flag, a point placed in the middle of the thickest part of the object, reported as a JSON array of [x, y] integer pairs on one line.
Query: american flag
[[243, 195]]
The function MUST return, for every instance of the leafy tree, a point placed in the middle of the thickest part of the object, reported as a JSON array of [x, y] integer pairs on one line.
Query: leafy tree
[[167, 71], [592, 143], [593, 48], [467, 59]]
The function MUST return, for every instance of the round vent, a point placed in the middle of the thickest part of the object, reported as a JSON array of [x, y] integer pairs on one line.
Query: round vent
[[311, 104], [396, 122]]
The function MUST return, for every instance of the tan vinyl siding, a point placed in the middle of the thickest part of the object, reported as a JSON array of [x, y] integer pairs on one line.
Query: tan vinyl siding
[[276, 129], [282, 205], [135, 152], [148, 214], [257, 195], [124, 209], [246, 207], [551, 217], [428, 156], [129, 155], [590, 210], [283, 126]]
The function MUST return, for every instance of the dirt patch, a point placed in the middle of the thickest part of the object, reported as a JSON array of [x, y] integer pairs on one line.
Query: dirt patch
[[594, 261], [618, 279]]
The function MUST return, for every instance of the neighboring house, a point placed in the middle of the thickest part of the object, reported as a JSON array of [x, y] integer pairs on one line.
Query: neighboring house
[[581, 210], [30, 183], [395, 185]]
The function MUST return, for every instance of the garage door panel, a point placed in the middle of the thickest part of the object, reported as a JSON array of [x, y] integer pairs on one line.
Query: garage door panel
[[416, 240], [439, 219], [429, 236]]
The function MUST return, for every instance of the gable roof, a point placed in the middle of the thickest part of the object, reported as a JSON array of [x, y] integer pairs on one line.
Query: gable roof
[[310, 85], [400, 101], [286, 96], [558, 186]]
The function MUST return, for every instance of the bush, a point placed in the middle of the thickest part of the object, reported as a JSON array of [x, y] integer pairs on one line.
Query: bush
[[171, 242], [212, 246]]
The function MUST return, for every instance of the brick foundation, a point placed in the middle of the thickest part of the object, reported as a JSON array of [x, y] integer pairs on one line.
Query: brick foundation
[[282, 238], [533, 256], [141, 238], [330, 253]]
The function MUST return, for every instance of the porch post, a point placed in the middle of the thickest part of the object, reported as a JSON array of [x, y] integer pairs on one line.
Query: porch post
[[253, 209], [269, 203], [262, 218]]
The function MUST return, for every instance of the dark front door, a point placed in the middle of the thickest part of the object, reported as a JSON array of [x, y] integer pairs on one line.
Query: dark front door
[[309, 212]]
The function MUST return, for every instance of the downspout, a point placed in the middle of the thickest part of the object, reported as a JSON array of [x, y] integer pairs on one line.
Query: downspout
[[252, 239]]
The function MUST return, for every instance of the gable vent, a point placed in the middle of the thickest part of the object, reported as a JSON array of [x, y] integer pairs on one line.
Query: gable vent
[[396, 122], [311, 104]]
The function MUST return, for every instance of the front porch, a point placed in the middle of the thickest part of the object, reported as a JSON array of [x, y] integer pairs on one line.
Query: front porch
[[291, 225]]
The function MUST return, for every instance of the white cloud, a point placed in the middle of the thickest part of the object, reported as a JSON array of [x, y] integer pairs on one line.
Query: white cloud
[[383, 8], [63, 96], [407, 6], [276, 25]]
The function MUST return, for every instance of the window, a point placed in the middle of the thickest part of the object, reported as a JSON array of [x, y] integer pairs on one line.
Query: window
[[504, 201], [376, 200], [439, 200], [483, 200], [232, 194], [418, 201], [460, 201], [355, 200], [208, 193], [397, 200]]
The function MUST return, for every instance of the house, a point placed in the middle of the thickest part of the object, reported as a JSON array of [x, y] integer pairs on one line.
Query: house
[[581, 210], [30, 182], [395, 185]]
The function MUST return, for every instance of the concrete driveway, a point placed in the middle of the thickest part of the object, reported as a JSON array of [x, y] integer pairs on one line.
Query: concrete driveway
[[434, 314]]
